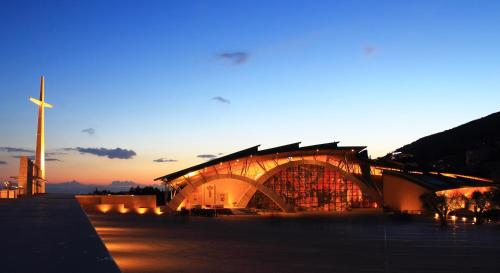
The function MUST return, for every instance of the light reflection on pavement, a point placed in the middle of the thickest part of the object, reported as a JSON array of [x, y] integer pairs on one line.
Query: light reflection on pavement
[[152, 243]]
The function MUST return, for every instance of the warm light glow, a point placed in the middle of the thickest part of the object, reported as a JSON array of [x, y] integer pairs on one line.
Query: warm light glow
[[258, 174], [109, 230], [40, 103], [467, 191], [158, 211], [124, 210], [474, 219], [453, 175], [436, 215], [104, 208], [128, 247], [453, 218], [464, 219], [256, 170], [141, 210]]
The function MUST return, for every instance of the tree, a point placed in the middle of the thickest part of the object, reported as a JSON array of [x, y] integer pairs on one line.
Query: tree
[[436, 203], [479, 202], [494, 198], [456, 201], [442, 204], [493, 207]]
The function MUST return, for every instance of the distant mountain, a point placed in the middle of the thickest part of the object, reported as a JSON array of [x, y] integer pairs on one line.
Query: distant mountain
[[471, 148], [80, 188], [123, 184]]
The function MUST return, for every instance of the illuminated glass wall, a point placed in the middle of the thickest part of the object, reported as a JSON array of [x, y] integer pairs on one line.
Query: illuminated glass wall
[[314, 188]]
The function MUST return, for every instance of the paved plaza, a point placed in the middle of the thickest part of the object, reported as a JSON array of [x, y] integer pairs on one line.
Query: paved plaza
[[149, 243], [50, 234]]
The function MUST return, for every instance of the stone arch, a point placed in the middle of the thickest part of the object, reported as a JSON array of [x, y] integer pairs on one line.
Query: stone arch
[[192, 185], [270, 173]]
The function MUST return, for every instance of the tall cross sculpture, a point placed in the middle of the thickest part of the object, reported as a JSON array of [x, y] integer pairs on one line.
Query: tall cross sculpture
[[40, 134]]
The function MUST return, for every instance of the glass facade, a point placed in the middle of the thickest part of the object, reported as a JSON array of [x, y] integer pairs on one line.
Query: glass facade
[[314, 188]]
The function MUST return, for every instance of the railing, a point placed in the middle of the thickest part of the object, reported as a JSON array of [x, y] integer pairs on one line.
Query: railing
[[10, 193]]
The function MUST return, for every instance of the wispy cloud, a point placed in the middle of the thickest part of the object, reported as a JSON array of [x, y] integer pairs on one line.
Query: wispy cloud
[[221, 100], [126, 183], [15, 150], [52, 159], [110, 153], [369, 50], [162, 160], [207, 156], [3, 162], [54, 153], [89, 131], [234, 57], [31, 157]]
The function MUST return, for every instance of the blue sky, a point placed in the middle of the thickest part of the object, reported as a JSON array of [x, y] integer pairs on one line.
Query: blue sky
[[143, 75]]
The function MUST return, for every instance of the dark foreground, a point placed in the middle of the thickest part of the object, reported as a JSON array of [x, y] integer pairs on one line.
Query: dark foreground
[[148, 243], [50, 234]]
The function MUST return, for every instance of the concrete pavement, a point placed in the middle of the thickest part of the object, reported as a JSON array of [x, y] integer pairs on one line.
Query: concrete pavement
[[50, 233]]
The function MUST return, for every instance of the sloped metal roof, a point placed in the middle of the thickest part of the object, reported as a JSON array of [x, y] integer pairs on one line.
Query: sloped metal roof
[[437, 182], [293, 147]]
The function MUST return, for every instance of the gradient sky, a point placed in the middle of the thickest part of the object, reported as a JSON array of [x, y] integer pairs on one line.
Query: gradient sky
[[178, 79]]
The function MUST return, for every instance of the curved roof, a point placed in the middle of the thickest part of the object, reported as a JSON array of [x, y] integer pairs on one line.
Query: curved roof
[[254, 151]]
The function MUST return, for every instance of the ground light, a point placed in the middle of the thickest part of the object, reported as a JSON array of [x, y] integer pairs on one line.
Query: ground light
[[141, 210], [158, 211], [104, 208], [124, 210]]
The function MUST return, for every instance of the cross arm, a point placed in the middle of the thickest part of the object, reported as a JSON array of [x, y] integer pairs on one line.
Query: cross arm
[[38, 102]]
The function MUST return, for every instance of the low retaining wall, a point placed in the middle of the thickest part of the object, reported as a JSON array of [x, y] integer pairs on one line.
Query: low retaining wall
[[117, 203]]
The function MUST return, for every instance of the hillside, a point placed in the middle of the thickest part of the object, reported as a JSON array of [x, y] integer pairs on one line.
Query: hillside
[[473, 148]]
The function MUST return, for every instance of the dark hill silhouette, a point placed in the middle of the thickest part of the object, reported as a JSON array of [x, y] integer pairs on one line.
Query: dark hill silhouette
[[472, 148]]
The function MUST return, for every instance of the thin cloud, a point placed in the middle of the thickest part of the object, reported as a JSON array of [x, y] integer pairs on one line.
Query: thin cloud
[[369, 50], [3, 162], [89, 131], [47, 157], [127, 183], [206, 156], [109, 153], [54, 153], [221, 100], [15, 150], [162, 160], [31, 157], [235, 58], [52, 159]]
